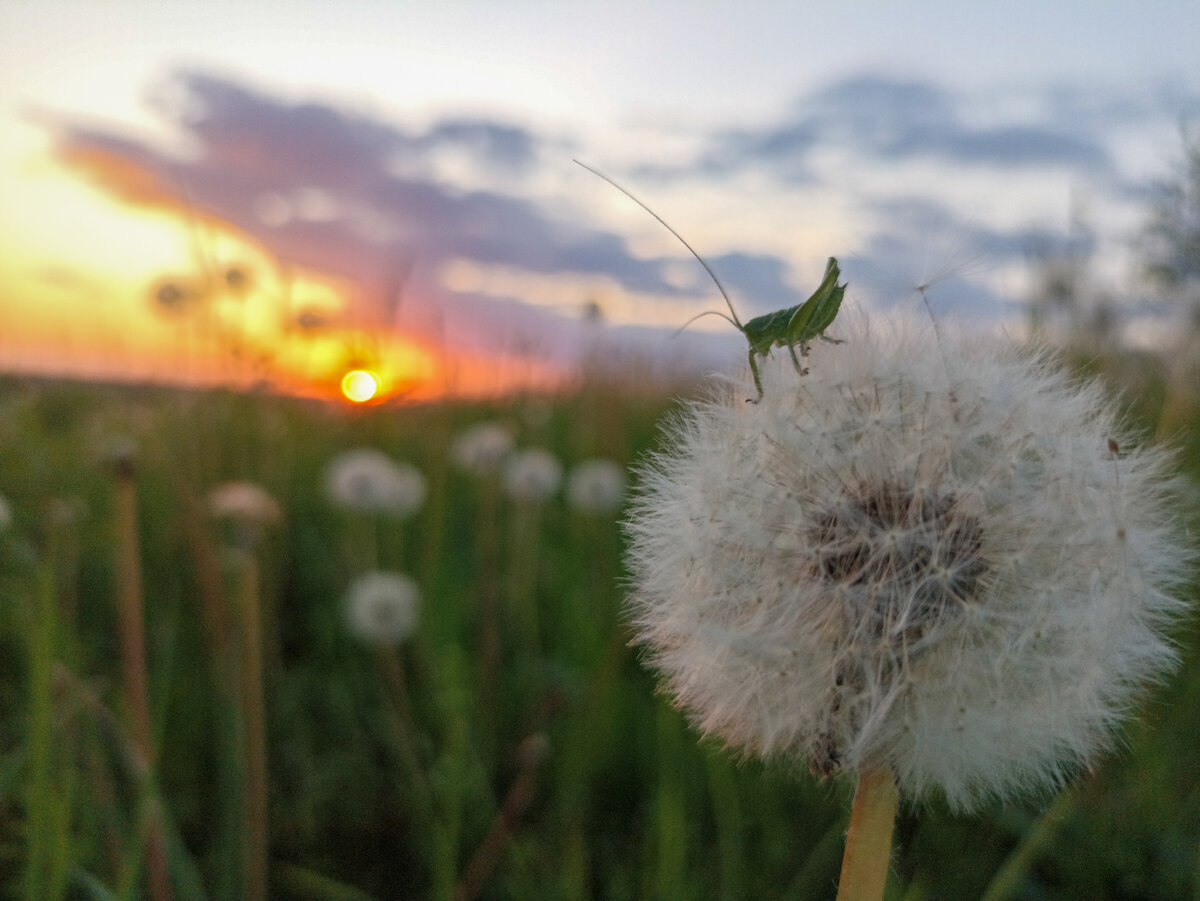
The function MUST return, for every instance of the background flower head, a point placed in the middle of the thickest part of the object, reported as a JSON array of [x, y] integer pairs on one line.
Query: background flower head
[[244, 502], [383, 607], [369, 481], [247, 508], [946, 558], [532, 474], [482, 448], [596, 486]]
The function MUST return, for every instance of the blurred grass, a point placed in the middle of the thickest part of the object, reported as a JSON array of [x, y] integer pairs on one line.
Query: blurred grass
[[428, 771]]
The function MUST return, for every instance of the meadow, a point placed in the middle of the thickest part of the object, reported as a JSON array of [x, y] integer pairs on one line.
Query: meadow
[[187, 711]]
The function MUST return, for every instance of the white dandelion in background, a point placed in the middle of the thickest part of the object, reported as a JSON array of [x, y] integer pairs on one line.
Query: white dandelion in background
[[482, 448], [944, 561], [596, 486], [247, 507], [368, 481], [119, 452], [532, 475], [383, 607], [6, 516], [66, 511], [244, 502]]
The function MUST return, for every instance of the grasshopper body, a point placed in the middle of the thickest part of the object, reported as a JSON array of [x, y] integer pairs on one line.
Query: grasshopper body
[[794, 327]]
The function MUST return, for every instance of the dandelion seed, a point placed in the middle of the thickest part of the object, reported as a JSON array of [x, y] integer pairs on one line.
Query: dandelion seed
[[311, 320], [596, 486], [370, 482], [482, 448], [920, 557], [383, 607], [532, 475], [175, 296]]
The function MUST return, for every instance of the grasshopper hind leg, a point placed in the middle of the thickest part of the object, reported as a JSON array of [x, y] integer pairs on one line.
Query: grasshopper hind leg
[[757, 379]]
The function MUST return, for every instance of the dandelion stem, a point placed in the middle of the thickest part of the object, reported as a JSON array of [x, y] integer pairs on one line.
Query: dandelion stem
[[869, 841], [254, 710], [131, 602]]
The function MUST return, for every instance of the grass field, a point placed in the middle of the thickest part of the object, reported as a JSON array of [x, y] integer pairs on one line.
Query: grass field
[[185, 712]]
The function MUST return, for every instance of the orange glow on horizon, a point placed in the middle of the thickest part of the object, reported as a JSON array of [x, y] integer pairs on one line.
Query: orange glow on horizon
[[113, 276], [360, 385]]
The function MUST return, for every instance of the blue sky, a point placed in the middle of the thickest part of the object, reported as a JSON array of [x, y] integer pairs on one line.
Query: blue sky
[[370, 140]]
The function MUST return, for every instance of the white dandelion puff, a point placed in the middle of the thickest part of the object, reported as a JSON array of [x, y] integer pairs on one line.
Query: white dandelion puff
[[532, 474], [245, 503], [368, 481], [247, 508], [596, 486], [383, 607], [482, 448], [66, 511], [120, 453], [946, 559]]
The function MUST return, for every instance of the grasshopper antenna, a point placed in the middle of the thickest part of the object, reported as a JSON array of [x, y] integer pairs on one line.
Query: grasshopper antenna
[[679, 331], [716, 281]]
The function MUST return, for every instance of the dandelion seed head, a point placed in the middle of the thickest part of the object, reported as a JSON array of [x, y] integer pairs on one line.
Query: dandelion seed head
[[532, 475], [482, 448], [245, 503], [369, 481], [66, 511], [120, 453], [596, 486], [922, 555], [383, 607], [247, 508]]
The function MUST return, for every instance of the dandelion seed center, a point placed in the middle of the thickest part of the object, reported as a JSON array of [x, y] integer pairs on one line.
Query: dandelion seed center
[[907, 559]]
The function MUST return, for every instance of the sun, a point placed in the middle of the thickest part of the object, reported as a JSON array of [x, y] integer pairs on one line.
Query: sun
[[360, 385]]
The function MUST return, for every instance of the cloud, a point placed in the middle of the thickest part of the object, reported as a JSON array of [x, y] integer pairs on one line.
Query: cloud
[[896, 119], [324, 187]]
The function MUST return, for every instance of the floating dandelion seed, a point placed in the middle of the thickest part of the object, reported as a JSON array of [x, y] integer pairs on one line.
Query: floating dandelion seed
[[238, 279], [383, 607], [532, 475], [369, 481], [311, 320], [922, 557], [174, 296], [482, 448], [596, 486]]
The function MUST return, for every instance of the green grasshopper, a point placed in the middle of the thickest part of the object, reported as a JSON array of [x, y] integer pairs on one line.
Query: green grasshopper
[[796, 326]]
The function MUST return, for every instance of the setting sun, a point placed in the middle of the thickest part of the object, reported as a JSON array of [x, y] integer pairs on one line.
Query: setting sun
[[359, 385]]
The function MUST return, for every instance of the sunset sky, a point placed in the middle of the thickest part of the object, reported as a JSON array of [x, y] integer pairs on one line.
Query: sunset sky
[[259, 191]]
